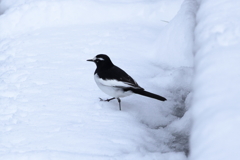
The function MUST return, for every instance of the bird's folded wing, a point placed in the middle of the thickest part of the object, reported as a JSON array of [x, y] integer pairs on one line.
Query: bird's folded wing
[[116, 77]]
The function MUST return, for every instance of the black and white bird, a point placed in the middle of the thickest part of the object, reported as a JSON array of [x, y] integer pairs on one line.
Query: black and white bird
[[115, 82]]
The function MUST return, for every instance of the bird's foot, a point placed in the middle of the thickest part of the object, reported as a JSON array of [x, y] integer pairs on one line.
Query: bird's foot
[[107, 100]]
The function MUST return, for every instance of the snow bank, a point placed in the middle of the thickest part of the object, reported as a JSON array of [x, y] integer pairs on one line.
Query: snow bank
[[174, 46], [173, 52], [26, 15], [215, 108]]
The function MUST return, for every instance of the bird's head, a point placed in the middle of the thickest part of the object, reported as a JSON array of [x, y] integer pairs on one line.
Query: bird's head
[[102, 61]]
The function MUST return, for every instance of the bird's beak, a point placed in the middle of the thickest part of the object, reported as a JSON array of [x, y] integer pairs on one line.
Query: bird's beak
[[91, 60]]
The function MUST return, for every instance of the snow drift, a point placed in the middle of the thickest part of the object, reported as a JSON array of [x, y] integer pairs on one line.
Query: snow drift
[[175, 44], [28, 15], [215, 107]]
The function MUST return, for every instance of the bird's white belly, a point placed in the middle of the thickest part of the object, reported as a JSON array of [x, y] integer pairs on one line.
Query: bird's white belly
[[111, 90]]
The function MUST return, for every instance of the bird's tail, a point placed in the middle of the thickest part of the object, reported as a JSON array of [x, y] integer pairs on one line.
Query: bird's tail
[[148, 94]]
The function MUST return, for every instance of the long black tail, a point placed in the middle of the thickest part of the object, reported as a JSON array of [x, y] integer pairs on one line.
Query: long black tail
[[148, 94]]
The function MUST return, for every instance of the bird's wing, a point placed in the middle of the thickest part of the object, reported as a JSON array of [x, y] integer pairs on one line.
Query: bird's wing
[[117, 78]]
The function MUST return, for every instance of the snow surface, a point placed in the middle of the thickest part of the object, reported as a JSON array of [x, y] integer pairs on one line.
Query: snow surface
[[50, 106], [215, 105]]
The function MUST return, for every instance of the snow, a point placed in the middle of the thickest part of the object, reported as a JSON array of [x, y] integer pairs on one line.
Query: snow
[[176, 52], [215, 105], [21, 16], [50, 106]]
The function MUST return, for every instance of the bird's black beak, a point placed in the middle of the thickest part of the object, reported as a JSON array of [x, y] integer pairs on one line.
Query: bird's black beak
[[90, 60]]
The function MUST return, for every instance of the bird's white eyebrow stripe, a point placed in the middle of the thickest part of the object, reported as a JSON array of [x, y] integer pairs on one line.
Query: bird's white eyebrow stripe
[[100, 59]]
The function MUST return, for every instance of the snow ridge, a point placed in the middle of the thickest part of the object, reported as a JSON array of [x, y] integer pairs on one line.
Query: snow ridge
[[42, 13], [216, 100], [177, 38]]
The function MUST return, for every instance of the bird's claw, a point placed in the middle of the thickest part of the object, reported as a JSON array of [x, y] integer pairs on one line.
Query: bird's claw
[[106, 100]]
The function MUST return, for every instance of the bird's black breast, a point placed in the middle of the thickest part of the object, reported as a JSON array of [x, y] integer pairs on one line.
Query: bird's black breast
[[118, 74]]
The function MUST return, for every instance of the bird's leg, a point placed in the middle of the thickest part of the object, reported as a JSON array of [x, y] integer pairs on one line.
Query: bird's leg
[[107, 99], [119, 101]]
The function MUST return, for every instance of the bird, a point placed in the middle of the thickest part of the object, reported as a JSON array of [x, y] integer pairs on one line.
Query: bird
[[115, 82]]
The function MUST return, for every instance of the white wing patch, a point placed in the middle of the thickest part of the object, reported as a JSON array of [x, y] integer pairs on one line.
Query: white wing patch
[[112, 83], [110, 87]]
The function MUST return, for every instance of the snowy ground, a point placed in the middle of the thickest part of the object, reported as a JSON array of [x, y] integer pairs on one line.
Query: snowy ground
[[215, 107], [49, 101]]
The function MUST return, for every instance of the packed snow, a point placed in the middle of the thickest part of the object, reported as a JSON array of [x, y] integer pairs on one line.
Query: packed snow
[[50, 106], [215, 105]]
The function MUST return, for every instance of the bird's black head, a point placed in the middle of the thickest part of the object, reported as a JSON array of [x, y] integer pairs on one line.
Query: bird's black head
[[102, 61]]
